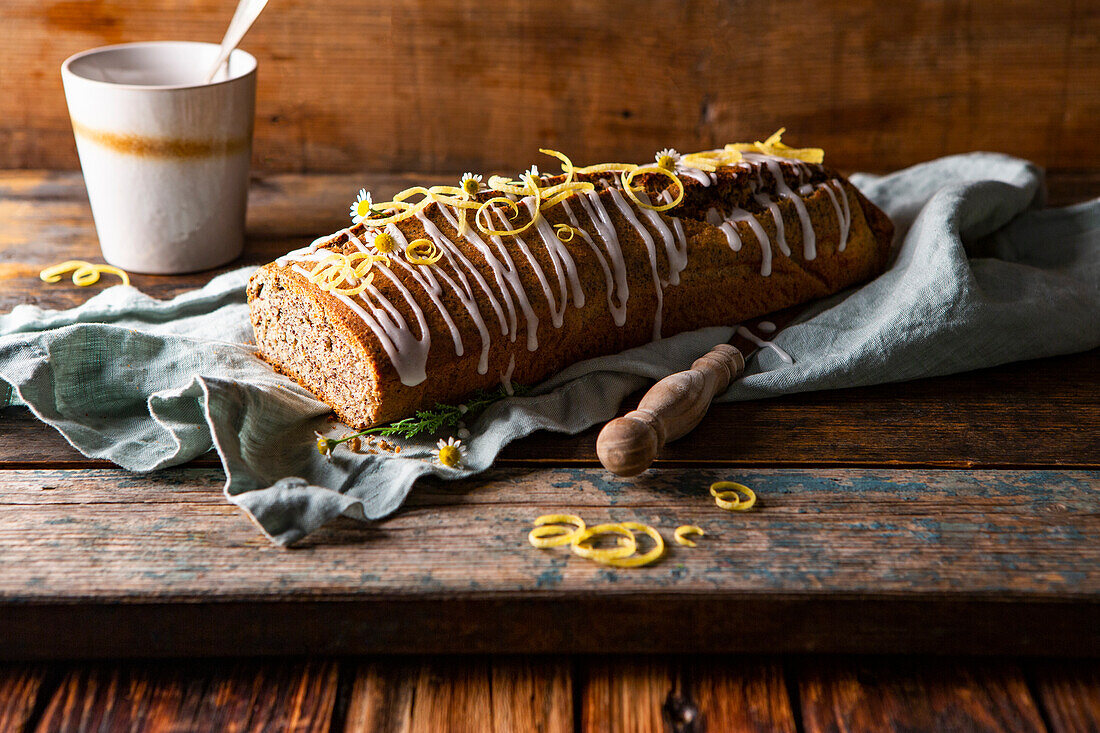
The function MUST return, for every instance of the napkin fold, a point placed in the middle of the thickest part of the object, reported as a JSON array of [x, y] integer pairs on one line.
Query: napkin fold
[[980, 276]]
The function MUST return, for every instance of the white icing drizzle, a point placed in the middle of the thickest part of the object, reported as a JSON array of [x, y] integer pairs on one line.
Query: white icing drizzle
[[695, 174], [464, 292], [618, 311], [408, 354], [557, 314], [732, 237], [675, 249], [651, 249], [559, 254], [713, 217], [739, 214], [504, 268], [681, 237], [451, 252], [766, 326], [427, 282], [597, 214], [495, 265], [845, 220], [746, 333], [783, 191], [777, 216], [431, 286]]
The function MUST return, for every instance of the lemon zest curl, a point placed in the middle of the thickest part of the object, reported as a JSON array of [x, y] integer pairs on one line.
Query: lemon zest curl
[[561, 230], [84, 273], [464, 197], [628, 178], [624, 548], [337, 268], [681, 533], [727, 496], [423, 252], [773, 146], [549, 532], [554, 530]]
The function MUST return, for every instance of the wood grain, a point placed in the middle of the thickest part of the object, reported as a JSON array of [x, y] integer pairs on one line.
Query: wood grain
[[905, 695], [844, 560], [658, 694], [381, 696], [736, 694], [625, 695], [415, 85], [20, 688], [532, 694], [1068, 693], [461, 694], [998, 533], [240, 696]]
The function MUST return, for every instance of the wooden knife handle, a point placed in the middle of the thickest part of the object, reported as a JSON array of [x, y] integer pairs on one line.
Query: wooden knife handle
[[670, 409]]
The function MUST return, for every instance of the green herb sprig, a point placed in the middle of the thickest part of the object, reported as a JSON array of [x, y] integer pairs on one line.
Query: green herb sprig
[[445, 416], [428, 421]]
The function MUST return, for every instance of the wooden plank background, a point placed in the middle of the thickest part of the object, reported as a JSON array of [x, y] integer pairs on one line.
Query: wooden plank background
[[608, 694], [397, 85]]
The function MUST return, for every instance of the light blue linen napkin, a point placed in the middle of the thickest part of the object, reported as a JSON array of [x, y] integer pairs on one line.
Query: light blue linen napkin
[[980, 277]]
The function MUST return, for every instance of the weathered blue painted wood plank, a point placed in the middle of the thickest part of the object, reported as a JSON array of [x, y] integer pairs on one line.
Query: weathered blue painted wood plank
[[844, 559], [819, 532]]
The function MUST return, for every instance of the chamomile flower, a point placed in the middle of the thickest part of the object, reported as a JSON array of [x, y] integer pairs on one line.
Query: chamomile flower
[[360, 210], [384, 243], [451, 452], [667, 158], [470, 183], [533, 172], [325, 445]]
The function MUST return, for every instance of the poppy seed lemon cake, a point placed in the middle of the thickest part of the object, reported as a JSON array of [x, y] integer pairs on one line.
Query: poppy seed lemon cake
[[447, 290]]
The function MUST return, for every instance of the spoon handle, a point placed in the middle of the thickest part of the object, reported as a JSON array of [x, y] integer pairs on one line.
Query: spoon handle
[[243, 17]]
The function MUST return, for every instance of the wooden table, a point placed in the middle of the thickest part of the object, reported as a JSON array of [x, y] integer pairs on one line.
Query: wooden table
[[956, 515]]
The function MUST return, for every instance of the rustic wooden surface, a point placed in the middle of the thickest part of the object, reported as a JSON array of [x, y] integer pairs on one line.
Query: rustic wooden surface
[[866, 539], [418, 84], [607, 694], [901, 694], [1069, 693], [297, 696], [834, 560], [973, 555]]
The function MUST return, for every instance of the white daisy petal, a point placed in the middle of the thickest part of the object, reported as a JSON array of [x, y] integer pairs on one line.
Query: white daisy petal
[[669, 153]]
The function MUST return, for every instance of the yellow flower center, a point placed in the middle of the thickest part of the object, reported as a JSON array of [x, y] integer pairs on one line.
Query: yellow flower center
[[363, 208], [667, 162], [384, 243], [471, 186], [449, 456]]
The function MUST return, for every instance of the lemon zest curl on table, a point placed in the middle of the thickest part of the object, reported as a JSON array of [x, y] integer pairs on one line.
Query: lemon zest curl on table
[[84, 273]]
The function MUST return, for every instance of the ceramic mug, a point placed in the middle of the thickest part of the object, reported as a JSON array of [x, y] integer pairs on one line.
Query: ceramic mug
[[165, 156]]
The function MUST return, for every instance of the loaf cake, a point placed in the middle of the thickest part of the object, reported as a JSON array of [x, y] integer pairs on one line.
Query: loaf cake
[[451, 289]]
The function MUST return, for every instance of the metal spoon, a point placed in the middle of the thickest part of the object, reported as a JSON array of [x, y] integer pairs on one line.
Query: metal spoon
[[243, 18]]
